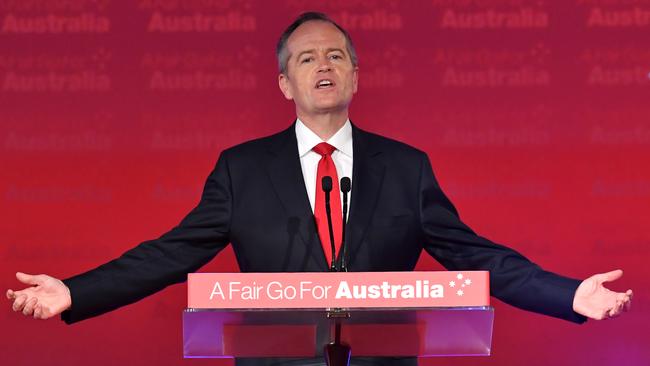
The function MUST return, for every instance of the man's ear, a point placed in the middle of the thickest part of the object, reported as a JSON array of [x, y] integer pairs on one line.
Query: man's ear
[[283, 83], [355, 79]]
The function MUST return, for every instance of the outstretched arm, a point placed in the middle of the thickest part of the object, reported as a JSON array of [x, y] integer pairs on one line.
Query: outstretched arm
[[513, 278], [141, 271]]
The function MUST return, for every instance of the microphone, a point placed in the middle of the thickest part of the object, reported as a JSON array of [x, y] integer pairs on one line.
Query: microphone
[[326, 184], [346, 184]]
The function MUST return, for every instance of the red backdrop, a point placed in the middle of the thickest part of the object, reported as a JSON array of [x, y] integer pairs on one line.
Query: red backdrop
[[535, 115]]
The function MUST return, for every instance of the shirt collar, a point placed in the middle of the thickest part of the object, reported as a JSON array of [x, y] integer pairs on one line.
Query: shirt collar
[[307, 139]]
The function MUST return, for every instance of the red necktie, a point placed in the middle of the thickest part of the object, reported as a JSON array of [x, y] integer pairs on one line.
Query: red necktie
[[326, 167]]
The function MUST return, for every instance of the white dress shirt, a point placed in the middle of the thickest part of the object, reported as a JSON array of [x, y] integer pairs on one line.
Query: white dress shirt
[[342, 156]]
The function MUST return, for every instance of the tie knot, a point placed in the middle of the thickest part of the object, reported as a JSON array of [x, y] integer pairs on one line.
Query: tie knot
[[324, 149]]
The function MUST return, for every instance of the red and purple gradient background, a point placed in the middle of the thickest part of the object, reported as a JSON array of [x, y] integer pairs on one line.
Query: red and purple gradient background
[[535, 115]]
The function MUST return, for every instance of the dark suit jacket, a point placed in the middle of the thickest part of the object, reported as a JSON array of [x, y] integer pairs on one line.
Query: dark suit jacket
[[255, 198]]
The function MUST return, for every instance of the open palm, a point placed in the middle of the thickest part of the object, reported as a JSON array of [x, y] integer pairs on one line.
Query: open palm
[[46, 297], [595, 301]]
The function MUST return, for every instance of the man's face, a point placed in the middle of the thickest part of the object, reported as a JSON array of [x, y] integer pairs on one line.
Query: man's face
[[320, 77]]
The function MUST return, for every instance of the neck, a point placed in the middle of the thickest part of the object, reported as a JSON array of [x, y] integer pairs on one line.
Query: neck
[[325, 125]]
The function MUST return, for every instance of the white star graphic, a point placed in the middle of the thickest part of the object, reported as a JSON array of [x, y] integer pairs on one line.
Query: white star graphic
[[459, 276], [468, 282], [459, 292], [452, 283]]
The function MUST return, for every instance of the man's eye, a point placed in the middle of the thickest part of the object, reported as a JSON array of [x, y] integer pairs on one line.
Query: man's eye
[[336, 57], [306, 60]]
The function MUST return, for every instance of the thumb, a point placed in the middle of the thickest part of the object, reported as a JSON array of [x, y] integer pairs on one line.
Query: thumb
[[28, 279], [610, 276]]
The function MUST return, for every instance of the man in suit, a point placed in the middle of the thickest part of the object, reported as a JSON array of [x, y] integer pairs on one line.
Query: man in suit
[[263, 196]]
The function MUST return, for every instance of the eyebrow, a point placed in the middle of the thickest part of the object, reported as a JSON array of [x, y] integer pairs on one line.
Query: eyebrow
[[313, 50]]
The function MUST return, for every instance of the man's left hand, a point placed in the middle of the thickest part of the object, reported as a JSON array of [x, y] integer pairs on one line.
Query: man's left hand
[[595, 301]]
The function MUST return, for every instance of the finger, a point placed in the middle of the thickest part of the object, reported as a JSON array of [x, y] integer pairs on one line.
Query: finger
[[29, 279], [11, 294], [19, 303], [29, 306], [38, 311], [617, 311], [609, 276], [610, 312], [619, 305], [627, 305], [17, 294]]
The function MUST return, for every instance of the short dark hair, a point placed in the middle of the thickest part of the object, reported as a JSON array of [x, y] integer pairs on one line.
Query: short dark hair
[[281, 49]]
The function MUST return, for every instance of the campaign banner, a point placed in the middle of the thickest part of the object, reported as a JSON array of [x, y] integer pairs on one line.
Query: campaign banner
[[338, 290]]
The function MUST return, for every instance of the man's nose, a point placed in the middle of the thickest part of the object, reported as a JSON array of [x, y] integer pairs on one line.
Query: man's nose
[[324, 65]]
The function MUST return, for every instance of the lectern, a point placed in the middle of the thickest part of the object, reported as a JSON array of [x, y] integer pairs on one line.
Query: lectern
[[264, 315]]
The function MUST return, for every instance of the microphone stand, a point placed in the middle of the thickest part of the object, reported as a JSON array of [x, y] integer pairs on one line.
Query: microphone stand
[[326, 184], [346, 185], [336, 353]]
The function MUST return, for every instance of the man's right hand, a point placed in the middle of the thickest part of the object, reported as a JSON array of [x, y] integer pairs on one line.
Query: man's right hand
[[47, 297]]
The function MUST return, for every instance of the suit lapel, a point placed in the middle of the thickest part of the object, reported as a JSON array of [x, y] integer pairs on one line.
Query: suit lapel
[[286, 177], [367, 177]]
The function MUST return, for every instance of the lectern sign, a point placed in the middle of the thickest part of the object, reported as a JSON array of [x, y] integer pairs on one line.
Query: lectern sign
[[337, 290]]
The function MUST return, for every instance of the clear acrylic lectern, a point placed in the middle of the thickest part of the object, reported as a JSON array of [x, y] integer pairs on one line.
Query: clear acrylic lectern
[[421, 332]]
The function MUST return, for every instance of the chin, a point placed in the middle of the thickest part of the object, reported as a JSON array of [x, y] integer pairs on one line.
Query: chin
[[329, 109]]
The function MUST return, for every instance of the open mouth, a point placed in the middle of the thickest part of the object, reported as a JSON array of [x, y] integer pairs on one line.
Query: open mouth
[[324, 84]]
